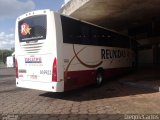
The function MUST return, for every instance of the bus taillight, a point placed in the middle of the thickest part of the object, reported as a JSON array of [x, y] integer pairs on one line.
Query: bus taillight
[[54, 71], [16, 68]]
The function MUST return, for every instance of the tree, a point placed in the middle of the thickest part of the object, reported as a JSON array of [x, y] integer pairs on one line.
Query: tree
[[4, 54], [13, 49]]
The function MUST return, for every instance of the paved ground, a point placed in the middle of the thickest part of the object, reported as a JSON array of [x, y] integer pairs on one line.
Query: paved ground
[[113, 101], [147, 78]]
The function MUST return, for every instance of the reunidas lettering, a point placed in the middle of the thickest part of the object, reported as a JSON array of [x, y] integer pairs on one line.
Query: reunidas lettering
[[112, 54]]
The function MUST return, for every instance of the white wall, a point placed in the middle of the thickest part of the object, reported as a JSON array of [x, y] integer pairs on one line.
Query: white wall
[[10, 61]]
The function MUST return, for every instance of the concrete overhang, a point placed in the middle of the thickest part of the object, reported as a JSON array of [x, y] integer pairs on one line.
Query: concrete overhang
[[114, 14]]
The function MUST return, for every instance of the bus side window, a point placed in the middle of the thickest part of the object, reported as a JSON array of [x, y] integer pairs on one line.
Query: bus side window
[[85, 33], [71, 30]]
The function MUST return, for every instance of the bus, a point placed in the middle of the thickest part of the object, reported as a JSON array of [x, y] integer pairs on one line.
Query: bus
[[57, 53]]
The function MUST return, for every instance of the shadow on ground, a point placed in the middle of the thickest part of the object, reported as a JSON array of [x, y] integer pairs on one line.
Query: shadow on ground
[[110, 89]]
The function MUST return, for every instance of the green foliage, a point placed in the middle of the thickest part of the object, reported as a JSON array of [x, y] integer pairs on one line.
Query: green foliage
[[4, 54]]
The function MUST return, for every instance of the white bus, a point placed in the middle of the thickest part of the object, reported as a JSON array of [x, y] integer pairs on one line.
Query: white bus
[[57, 53]]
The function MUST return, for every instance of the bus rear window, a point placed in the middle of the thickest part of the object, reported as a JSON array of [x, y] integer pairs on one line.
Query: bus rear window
[[32, 28]]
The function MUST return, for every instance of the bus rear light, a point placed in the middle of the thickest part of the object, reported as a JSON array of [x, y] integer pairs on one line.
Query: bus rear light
[[54, 71], [16, 68]]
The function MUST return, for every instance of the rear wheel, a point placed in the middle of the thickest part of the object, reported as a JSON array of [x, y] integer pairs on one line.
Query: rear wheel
[[99, 78]]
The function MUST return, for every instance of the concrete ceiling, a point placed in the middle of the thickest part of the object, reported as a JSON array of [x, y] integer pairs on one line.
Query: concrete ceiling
[[114, 14]]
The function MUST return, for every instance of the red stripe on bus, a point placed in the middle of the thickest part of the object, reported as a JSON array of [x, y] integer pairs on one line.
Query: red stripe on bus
[[78, 79]]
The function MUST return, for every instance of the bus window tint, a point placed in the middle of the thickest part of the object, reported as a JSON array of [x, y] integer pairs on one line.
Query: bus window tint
[[32, 28], [71, 30], [77, 32], [85, 33]]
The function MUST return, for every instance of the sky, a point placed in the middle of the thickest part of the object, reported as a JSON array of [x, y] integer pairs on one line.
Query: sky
[[11, 9]]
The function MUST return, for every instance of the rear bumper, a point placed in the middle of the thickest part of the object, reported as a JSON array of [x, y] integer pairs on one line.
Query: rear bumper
[[50, 86]]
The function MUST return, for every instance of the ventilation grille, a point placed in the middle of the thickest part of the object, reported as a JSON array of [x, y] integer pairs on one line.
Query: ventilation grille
[[32, 47]]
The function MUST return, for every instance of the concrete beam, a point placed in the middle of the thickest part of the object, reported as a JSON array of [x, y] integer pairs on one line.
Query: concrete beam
[[72, 6], [113, 14]]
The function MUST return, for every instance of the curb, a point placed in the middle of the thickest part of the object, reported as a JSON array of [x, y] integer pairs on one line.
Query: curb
[[141, 86]]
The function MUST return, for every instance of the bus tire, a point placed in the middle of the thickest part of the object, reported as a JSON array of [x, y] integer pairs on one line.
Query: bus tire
[[99, 78]]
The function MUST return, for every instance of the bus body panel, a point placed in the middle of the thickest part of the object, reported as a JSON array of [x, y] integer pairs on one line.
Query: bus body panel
[[59, 47], [35, 58], [81, 71], [35, 68], [45, 86], [111, 57]]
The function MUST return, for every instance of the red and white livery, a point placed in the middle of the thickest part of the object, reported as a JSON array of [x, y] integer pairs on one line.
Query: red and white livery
[[57, 53]]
